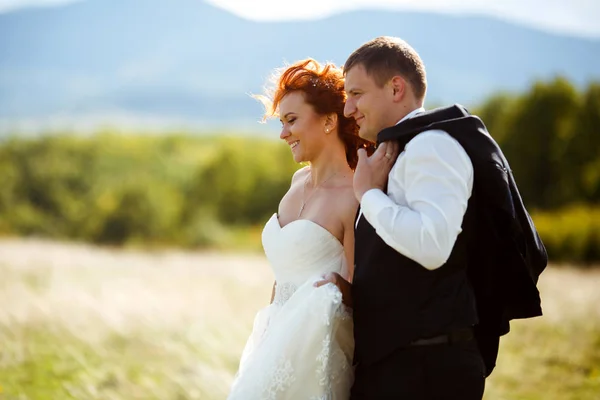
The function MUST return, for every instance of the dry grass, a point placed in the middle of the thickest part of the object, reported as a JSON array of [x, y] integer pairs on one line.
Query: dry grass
[[78, 322]]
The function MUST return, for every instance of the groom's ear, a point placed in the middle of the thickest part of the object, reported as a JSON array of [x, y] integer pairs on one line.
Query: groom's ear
[[398, 86]]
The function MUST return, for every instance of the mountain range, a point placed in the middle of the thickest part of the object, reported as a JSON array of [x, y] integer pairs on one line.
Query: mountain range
[[186, 62]]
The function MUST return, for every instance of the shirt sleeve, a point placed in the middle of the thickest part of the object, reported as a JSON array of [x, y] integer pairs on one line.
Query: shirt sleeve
[[437, 179]]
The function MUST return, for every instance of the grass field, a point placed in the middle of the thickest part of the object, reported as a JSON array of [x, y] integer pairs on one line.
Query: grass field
[[79, 322]]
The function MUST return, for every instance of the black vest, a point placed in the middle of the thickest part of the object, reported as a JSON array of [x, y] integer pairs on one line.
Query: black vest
[[489, 277]]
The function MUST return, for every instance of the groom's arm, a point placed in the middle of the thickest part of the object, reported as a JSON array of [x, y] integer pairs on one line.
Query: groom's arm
[[436, 175]]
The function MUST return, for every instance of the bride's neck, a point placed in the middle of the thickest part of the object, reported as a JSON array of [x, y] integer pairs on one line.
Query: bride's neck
[[326, 168]]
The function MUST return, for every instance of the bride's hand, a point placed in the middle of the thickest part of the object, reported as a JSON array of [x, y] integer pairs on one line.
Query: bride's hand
[[343, 285]]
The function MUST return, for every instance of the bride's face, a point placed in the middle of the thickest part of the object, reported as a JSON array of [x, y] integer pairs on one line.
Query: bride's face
[[302, 128]]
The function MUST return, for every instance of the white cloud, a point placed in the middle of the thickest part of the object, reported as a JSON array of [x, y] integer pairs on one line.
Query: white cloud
[[579, 17], [8, 5]]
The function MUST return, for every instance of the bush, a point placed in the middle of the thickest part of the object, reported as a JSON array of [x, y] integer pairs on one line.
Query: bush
[[190, 191], [140, 190], [571, 234]]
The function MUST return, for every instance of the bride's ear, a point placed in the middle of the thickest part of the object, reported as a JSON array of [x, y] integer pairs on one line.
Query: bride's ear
[[331, 121]]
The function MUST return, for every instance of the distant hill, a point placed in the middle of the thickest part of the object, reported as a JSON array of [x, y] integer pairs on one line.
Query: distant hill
[[188, 61]]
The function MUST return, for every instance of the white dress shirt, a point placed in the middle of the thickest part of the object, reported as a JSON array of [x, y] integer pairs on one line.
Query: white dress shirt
[[427, 194]]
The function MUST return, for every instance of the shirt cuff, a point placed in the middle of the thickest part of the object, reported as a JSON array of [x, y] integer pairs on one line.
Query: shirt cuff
[[372, 203]]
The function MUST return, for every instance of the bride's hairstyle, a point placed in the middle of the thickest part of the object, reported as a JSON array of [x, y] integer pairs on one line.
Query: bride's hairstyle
[[323, 88]]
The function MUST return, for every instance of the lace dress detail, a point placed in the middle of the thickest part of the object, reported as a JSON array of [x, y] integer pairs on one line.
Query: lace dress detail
[[301, 345], [282, 378], [283, 291], [323, 359]]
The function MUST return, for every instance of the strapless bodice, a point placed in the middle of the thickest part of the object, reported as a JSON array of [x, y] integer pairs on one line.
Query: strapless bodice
[[299, 251]]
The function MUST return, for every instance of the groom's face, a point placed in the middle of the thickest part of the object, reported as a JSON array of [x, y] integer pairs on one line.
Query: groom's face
[[367, 102]]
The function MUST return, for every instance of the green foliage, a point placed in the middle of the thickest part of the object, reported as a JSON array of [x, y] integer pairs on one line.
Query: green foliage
[[551, 138], [244, 182], [217, 191], [494, 113], [582, 151], [140, 190], [571, 234]]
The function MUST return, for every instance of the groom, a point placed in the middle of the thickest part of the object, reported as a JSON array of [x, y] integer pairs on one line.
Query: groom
[[445, 252]]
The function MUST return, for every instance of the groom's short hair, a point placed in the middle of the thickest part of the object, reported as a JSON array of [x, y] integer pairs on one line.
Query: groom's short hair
[[385, 57]]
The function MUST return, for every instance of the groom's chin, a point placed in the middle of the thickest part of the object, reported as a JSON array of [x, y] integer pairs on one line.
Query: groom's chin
[[366, 134]]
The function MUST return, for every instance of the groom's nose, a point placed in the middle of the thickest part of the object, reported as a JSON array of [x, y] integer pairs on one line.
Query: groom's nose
[[349, 108]]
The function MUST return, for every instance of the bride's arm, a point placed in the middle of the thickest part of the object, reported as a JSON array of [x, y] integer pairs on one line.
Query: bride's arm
[[273, 292], [343, 280], [349, 216], [348, 261]]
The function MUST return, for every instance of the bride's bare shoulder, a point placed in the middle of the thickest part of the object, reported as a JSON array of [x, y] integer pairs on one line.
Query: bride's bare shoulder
[[301, 174], [347, 199]]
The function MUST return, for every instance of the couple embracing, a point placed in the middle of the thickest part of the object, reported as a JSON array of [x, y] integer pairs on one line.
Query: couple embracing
[[400, 253]]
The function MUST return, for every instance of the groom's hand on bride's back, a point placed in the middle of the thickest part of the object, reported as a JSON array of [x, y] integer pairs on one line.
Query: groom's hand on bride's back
[[343, 285]]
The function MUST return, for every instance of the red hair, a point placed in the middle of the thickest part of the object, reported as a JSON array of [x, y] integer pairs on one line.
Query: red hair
[[323, 88]]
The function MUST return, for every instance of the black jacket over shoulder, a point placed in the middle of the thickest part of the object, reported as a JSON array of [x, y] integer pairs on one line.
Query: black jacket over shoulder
[[490, 277]]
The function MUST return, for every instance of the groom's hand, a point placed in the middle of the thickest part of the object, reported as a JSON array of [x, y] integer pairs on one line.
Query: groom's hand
[[372, 172], [343, 285]]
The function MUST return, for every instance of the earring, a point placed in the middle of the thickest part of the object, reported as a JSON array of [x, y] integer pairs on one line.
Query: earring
[[327, 130]]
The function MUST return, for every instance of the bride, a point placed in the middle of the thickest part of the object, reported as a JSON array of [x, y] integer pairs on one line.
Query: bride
[[301, 345]]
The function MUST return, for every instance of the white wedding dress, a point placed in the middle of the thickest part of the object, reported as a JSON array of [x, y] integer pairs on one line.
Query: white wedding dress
[[301, 345]]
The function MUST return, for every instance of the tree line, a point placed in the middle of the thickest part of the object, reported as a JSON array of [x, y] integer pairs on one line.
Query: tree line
[[216, 190]]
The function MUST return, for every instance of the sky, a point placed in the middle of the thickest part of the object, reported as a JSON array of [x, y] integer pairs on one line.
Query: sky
[[574, 17]]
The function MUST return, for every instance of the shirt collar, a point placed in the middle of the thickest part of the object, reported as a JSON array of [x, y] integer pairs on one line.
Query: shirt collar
[[411, 114]]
